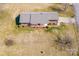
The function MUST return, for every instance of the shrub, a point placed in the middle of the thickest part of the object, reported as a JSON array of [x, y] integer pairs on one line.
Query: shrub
[[63, 25], [52, 29], [17, 20], [49, 29], [9, 42], [65, 41]]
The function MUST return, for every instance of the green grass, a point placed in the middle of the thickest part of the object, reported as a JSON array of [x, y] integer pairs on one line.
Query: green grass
[[18, 30]]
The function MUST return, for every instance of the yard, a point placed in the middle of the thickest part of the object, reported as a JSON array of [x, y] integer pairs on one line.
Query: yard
[[60, 40], [29, 41]]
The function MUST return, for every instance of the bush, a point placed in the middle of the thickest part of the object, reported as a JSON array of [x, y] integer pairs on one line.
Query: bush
[[9, 42], [17, 20], [49, 29], [52, 29], [65, 41], [63, 25]]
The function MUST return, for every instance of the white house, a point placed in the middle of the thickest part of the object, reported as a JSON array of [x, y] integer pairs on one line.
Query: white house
[[40, 19]]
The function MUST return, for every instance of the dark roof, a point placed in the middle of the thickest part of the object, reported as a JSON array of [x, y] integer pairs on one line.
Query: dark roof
[[38, 17]]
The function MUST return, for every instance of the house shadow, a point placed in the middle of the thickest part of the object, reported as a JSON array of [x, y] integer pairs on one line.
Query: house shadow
[[17, 19]]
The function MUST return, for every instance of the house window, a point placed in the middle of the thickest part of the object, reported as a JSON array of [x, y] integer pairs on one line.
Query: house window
[[52, 22]]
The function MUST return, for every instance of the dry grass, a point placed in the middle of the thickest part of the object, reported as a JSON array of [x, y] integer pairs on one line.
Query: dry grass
[[30, 41]]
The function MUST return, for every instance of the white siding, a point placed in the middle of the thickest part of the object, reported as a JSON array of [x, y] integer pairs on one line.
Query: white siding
[[38, 17], [24, 18]]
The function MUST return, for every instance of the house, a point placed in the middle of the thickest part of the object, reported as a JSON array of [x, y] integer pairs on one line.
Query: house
[[38, 19]]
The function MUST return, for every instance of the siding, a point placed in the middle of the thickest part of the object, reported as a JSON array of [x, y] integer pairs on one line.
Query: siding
[[38, 17], [24, 18]]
